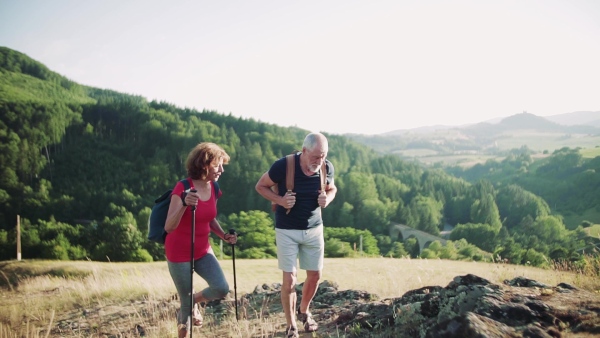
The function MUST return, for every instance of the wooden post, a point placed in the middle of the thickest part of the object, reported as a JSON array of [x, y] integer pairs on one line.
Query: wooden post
[[221, 246], [361, 249], [18, 238]]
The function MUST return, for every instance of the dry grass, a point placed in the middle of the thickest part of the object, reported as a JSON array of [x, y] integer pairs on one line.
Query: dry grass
[[48, 292]]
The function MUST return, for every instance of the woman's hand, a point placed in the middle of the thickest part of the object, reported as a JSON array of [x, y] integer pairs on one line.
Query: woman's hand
[[230, 238], [190, 197]]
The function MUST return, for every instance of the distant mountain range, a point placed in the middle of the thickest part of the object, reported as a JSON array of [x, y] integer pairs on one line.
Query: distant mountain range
[[526, 121], [581, 119], [590, 118], [476, 143]]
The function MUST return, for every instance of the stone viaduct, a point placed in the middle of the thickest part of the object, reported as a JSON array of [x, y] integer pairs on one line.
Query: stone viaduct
[[423, 238]]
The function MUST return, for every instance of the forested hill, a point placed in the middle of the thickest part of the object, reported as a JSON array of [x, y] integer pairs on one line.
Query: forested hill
[[82, 148], [82, 166]]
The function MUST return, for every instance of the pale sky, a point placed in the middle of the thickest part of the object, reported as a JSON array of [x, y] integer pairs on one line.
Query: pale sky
[[339, 66]]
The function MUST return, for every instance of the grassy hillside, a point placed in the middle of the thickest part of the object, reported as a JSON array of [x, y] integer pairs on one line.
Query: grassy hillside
[[45, 294]]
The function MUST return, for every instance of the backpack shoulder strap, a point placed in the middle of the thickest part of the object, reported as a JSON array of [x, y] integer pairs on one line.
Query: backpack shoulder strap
[[290, 171], [323, 176], [217, 189], [186, 184], [290, 168]]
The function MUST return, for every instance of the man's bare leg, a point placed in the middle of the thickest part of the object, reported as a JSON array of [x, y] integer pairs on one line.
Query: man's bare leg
[[309, 289], [289, 297]]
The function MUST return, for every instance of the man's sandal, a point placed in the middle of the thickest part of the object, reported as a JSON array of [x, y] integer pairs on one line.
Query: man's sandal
[[291, 332], [310, 325]]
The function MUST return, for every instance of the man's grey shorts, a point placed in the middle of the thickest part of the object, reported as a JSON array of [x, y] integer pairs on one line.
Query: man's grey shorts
[[306, 245]]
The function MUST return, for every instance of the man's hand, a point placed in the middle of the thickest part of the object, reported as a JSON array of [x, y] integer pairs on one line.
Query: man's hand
[[288, 200], [322, 199]]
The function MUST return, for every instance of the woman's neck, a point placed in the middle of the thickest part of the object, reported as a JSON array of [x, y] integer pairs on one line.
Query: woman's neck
[[200, 183]]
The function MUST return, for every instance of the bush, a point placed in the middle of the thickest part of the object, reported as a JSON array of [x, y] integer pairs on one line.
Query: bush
[[448, 251], [428, 254], [141, 255], [397, 251], [468, 251], [253, 253], [336, 248], [535, 258], [53, 250]]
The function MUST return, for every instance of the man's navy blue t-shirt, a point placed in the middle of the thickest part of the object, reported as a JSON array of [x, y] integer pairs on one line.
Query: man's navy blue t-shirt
[[306, 213]]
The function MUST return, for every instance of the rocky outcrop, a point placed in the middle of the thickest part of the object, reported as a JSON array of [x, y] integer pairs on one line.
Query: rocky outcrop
[[469, 306]]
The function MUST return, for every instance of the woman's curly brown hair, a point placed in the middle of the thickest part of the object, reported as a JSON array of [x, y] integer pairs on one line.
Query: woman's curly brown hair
[[201, 157]]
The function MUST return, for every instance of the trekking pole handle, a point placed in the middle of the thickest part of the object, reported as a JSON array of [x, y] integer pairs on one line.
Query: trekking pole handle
[[194, 191]]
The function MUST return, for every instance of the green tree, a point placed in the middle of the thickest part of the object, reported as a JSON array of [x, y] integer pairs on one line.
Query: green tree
[[424, 213], [354, 237], [61, 241], [428, 254], [363, 189], [397, 251], [334, 247], [515, 203], [119, 239], [481, 235], [384, 243], [435, 247], [512, 251], [256, 233], [30, 239], [448, 251], [457, 210], [535, 258], [6, 247], [155, 250], [548, 229], [346, 216], [411, 245], [485, 211], [374, 215]]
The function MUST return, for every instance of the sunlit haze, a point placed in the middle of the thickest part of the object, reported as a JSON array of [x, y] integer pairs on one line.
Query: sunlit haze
[[336, 66]]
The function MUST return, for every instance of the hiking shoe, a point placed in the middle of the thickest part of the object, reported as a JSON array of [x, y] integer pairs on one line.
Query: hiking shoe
[[310, 325], [182, 331], [291, 332]]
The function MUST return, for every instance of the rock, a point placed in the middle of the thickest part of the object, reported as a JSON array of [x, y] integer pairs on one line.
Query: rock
[[526, 282], [469, 306]]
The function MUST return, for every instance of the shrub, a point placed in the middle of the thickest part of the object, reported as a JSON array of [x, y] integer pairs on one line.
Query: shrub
[[336, 248]]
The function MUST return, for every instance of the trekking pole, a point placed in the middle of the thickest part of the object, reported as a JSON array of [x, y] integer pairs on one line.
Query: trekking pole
[[191, 317], [232, 232]]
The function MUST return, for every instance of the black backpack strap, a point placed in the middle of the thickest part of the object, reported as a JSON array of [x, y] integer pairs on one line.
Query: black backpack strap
[[186, 184], [217, 189]]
